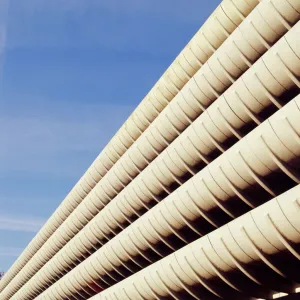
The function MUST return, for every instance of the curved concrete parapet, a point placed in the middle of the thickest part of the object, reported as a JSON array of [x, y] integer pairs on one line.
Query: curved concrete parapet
[[228, 15], [255, 256], [217, 194], [203, 138]]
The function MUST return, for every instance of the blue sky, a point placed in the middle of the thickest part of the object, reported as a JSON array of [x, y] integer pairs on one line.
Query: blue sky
[[71, 72]]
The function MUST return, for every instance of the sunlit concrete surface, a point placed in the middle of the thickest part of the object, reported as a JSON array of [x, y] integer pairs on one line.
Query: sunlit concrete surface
[[196, 196]]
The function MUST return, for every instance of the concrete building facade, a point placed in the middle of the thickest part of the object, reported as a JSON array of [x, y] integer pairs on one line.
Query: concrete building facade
[[197, 195]]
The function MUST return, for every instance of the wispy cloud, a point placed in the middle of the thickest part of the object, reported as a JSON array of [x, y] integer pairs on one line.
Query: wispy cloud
[[3, 35], [20, 223], [168, 9], [113, 24], [38, 140], [3, 22], [87, 59], [10, 251]]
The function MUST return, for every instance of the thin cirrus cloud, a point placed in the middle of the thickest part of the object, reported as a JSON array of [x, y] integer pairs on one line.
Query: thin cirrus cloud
[[10, 251], [72, 72], [3, 33], [168, 9], [20, 224], [3, 22], [114, 24], [41, 138]]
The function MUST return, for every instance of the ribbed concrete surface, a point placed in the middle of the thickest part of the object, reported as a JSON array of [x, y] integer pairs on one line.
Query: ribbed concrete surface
[[218, 193], [112, 217], [255, 256], [210, 36], [205, 159]]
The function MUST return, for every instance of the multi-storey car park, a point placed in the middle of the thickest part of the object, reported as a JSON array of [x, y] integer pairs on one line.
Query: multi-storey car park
[[196, 196]]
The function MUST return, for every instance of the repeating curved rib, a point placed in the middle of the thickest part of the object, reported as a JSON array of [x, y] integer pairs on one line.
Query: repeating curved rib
[[260, 279], [279, 45], [239, 103], [182, 69], [151, 226]]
